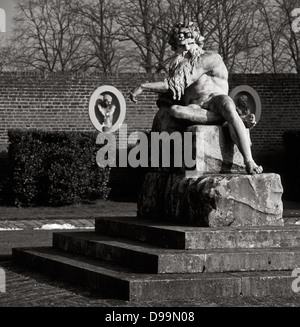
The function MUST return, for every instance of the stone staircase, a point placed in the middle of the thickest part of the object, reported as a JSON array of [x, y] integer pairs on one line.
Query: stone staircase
[[136, 259]]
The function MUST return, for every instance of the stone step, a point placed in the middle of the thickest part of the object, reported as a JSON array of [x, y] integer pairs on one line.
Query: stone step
[[120, 282], [151, 259], [185, 237]]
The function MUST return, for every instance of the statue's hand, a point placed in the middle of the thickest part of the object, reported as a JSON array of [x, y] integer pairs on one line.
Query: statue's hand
[[132, 97], [249, 120], [133, 94]]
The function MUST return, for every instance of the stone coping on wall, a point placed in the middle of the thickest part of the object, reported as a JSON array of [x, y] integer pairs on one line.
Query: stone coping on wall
[[149, 75]]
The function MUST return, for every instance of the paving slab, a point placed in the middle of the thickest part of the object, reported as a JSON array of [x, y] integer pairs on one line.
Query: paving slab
[[116, 281], [28, 288]]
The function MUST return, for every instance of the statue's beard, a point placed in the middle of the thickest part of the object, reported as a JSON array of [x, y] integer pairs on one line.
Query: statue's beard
[[181, 70]]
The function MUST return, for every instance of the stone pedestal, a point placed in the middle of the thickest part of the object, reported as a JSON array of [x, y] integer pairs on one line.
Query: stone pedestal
[[215, 200], [217, 193]]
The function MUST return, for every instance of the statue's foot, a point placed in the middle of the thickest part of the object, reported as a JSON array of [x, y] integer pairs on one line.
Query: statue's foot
[[249, 120], [252, 168]]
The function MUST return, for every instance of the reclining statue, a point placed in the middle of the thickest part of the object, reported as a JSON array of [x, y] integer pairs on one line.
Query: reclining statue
[[196, 92]]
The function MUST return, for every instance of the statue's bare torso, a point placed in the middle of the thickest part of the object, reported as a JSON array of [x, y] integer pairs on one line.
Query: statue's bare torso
[[209, 78]]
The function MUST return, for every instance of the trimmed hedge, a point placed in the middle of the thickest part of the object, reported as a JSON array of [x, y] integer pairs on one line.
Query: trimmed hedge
[[55, 168], [291, 143]]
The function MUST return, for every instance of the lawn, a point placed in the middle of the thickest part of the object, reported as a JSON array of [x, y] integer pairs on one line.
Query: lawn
[[78, 211], [96, 209]]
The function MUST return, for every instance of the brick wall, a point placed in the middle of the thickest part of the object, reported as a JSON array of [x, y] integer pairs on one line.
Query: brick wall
[[60, 102], [280, 98], [56, 102]]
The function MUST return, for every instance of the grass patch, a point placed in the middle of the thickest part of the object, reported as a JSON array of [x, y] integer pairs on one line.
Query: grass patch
[[76, 211]]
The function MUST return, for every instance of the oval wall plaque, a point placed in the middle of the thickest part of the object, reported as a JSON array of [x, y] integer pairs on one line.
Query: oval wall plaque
[[247, 94], [107, 108]]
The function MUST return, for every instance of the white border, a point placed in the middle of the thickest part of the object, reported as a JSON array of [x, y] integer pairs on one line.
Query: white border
[[249, 89], [95, 96]]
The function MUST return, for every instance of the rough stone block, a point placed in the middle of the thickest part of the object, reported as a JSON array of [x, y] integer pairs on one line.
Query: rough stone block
[[213, 200]]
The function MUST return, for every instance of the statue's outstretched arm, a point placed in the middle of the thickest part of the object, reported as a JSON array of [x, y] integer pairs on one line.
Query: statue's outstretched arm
[[159, 87]]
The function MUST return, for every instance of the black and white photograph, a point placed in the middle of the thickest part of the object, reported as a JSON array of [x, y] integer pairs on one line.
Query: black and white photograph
[[150, 157]]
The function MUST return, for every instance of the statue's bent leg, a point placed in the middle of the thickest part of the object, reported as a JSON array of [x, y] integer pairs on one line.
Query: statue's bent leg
[[164, 122], [194, 114], [225, 106]]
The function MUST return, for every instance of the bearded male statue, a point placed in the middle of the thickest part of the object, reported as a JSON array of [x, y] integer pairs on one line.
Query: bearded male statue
[[196, 92]]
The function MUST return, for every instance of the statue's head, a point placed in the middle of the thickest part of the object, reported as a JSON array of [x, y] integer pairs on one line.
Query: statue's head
[[107, 98], [242, 101], [184, 35]]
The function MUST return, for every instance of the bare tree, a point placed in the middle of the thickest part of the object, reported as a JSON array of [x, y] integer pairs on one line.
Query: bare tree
[[277, 49], [270, 24], [226, 25], [273, 30], [160, 48], [64, 35], [48, 35], [2, 53], [229, 27], [101, 31], [138, 22], [167, 13], [249, 58], [147, 24], [289, 36]]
